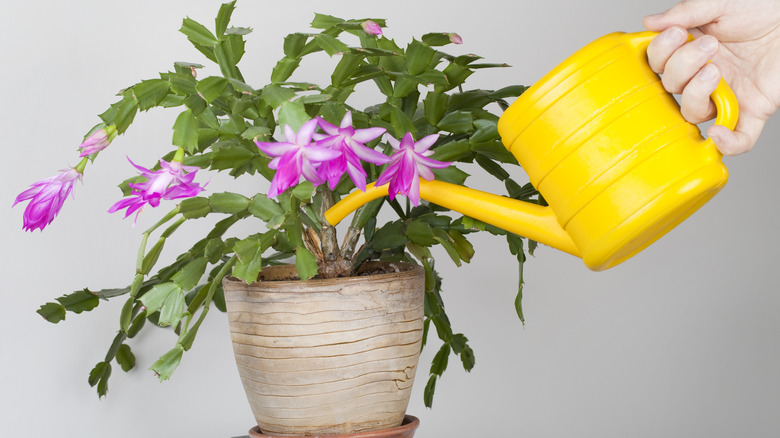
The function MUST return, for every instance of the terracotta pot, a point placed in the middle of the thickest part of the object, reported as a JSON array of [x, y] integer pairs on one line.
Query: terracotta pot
[[405, 430], [327, 357]]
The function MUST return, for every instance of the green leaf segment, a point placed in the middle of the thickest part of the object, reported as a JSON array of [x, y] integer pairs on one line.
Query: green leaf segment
[[422, 92]]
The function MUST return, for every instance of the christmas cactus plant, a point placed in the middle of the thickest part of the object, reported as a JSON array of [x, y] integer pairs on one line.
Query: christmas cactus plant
[[314, 146]]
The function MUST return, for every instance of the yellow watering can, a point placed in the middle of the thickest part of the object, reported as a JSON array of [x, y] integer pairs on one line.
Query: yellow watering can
[[606, 146]]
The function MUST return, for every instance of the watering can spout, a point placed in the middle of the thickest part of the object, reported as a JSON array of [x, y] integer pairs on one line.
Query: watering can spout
[[523, 218]]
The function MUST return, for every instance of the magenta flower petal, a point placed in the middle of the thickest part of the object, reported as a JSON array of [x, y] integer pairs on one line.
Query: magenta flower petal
[[425, 143], [289, 134], [332, 170], [288, 162], [357, 175], [274, 149], [393, 142], [367, 134], [408, 164], [319, 153], [132, 204], [46, 199], [429, 162], [182, 191], [389, 172], [310, 173], [306, 132], [425, 173], [274, 164], [414, 192], [172, 181], [348, 142], [326, 126], [367, 154], [274, 191], [407, 172], [297, 157], [288, 173], [346, 121], [455, 38]]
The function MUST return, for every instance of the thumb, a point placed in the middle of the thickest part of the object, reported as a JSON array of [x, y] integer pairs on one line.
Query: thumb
[[741, 140], [688, 14]]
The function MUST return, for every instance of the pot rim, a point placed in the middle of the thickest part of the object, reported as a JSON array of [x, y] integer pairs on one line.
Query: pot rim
[[403, 268]]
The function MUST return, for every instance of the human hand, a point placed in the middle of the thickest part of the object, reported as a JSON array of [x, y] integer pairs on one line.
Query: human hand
[[742, 38]]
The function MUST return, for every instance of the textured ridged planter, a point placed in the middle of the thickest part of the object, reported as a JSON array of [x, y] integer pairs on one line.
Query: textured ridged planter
[[327, 357]]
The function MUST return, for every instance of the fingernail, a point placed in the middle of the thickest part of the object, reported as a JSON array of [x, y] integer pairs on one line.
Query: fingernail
[[708, 44], [717, 139], [677, 34], [709, 73]]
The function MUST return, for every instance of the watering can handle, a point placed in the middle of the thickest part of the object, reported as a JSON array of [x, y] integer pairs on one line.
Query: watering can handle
[[725, 101]]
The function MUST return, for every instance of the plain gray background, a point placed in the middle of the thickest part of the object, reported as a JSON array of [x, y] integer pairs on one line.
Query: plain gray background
[[680, 341]]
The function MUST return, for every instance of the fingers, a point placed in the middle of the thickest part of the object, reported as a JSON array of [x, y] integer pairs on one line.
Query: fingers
[[685, 69], [695, 103], [663, 46], [686, 62], [739, 141], [688, 14]]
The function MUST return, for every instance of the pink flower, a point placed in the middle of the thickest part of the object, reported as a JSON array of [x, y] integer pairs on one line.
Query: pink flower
[[455, 38], [348, 141], [371, 27], [408, 164], [46, 198], [295, 157], [97, 141], [173, 181]]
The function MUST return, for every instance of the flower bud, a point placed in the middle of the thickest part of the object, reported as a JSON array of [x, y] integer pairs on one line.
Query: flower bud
[[371, 27], [97, 140]]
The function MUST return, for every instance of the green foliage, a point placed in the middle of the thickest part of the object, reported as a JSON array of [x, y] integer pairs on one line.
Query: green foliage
[[99, 377], [125, 357], [52, 312], [250, 255], [168, 362], [219, 119], [76, 302], [305, 263]]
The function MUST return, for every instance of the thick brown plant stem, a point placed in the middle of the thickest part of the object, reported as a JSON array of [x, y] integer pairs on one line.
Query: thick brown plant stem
[[330, 244], [312, 243], [350, 241]]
